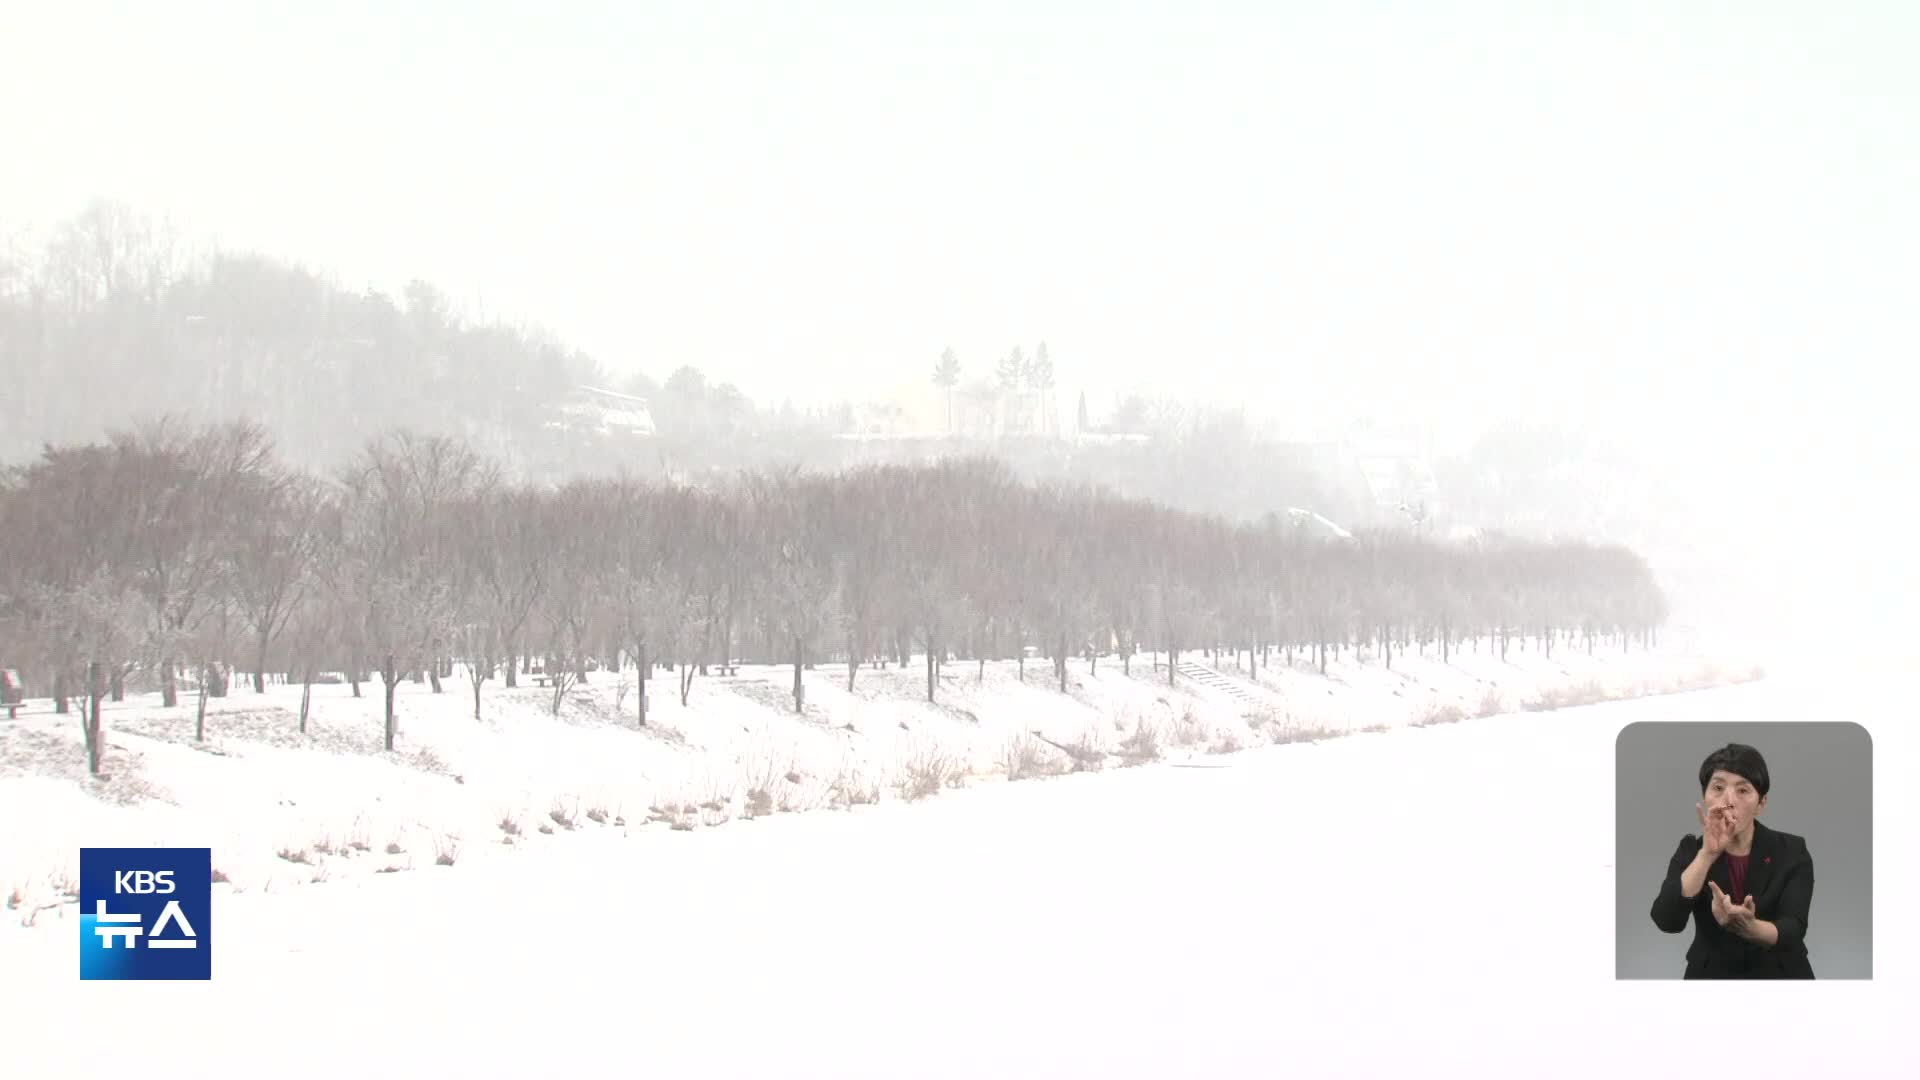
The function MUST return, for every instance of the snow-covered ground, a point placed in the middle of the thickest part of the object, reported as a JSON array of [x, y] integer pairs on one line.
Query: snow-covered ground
[[1430, 897], [282, 810]]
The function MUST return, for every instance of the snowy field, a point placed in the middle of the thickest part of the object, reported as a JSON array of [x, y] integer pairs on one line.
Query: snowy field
[[284, 810], [1437, 897]]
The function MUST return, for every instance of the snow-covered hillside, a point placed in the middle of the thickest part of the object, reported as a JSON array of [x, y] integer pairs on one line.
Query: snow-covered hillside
[[283, 810], [1434, 898]]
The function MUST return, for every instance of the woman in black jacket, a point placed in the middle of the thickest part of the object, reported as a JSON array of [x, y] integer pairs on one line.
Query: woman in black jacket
[[1747, 887]]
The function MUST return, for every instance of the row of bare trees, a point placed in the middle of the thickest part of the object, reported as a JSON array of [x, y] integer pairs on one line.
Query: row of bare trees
[[169, 550]]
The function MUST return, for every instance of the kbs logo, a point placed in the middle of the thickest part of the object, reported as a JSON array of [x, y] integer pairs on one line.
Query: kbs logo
[[146, 913]]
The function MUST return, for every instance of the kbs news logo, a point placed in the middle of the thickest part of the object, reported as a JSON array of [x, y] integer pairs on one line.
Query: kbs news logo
[[146, 913]]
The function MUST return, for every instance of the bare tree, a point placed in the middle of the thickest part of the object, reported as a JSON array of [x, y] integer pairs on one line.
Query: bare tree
[[398, 498], [271, 555]]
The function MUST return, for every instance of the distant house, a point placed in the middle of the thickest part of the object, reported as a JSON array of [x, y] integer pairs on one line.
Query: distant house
[[1312, 524], [590, 408], [1396, 479]]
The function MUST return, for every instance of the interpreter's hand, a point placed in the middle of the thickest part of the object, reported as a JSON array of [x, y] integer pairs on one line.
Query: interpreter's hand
[[1737, 919], [1740, 919], [1716, 828]]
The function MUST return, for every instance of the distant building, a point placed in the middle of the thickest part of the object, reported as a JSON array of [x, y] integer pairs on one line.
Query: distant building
[[590, 408], [1312, 524], [1391, 476]]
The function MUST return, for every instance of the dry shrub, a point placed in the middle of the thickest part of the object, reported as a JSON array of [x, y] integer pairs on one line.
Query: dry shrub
[[1026, 757], [928, 768], [1189, 730], [1440, 713], [1567, 697], [759, 803], [1229, 743], [1085, 754], [1140, 747], [1281, 732], [853, 788], [1492, 703], [771, 780]]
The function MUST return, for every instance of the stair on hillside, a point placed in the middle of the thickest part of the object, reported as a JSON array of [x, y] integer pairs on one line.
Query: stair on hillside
[[1237, 689]]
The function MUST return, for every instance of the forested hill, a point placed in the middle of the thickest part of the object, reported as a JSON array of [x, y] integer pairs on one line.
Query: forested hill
[[107, 323]]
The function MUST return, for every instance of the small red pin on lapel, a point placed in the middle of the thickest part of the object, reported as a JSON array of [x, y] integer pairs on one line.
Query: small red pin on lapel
[[1767, 859]]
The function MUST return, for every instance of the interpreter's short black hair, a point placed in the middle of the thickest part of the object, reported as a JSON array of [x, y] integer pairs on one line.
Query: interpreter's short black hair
[[1740, 760]]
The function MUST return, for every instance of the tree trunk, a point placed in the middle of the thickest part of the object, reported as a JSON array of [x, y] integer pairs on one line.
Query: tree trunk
[[433, 676], [169, 692], [799, 691], [200, 715], [853, 658], [95, 748], [930, 669], [1060, 662], [119, 683], [1386, 646], [260, 663], [641, 678], [391, 678], [306, 695], [513, 670]]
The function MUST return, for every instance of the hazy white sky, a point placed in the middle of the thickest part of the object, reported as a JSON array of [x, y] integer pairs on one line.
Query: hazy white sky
[[1327, 209]]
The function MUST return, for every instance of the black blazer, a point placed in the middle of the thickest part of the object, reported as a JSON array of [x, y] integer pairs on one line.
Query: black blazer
[[1780, 880]]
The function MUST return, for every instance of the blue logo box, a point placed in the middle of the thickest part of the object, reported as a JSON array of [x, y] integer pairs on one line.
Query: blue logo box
[[146, 913]]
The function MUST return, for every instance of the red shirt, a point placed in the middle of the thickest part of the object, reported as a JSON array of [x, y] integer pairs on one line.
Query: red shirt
[[1737, 876]]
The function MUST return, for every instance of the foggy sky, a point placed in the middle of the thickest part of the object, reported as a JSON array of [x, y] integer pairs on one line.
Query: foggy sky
[[1691, 225], [1328, 208]]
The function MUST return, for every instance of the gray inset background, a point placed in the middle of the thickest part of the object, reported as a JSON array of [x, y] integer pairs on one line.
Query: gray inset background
[[1822, 789]]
